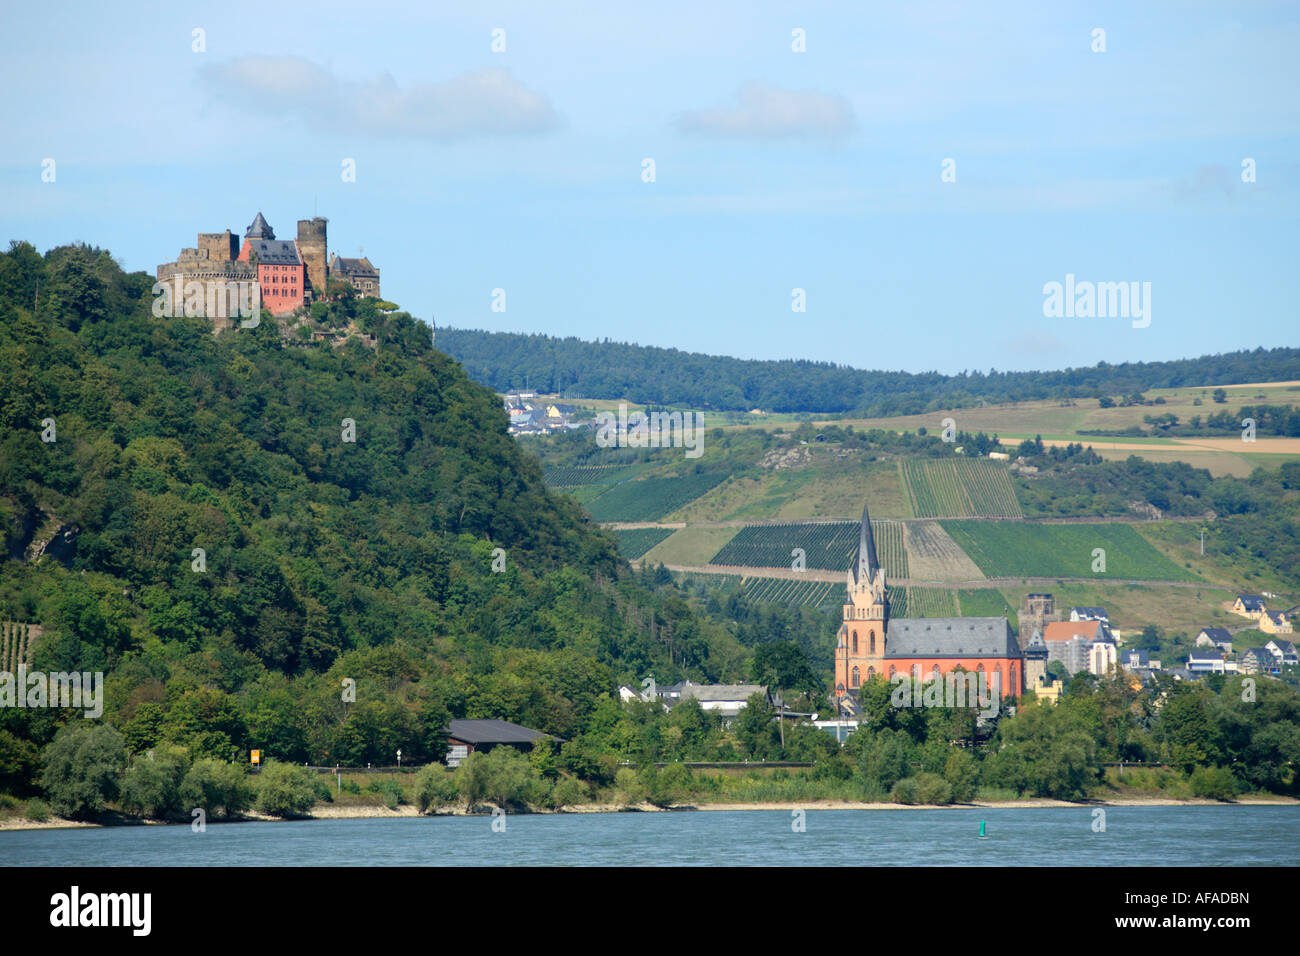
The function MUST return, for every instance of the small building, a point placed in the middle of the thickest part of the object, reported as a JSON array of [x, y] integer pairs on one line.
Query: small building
[[1140, 660], [1219, 637], [1206, 662], [1257, 660], [1070, 641], [725, 699], [358, 273], [1249, 605], [1274, 622], [1283, 652], [1089, 614], [465, 737], [1049, 691]]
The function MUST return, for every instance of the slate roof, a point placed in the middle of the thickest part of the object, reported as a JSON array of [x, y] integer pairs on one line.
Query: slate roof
[[1277, 617], [1259, 654], [1095, 613], [354, 267], [865, 568], [492, 732], [1216, 633], [276, 252], [1251, 602], [259, 228], [950, 637], [1286, 647]]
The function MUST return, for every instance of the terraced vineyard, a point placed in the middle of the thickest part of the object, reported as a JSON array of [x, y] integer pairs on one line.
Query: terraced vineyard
[[1021, 549], [959, 487], [649, 499], [930, 602], [634, 542], [829, 546], [574, 476], [792, 592], [985, 602]]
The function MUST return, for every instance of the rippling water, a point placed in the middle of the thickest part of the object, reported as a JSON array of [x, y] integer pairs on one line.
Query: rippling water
[[1134, 836]]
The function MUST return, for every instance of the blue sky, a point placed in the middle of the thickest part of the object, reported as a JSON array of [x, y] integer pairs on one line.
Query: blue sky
[[775, 169]]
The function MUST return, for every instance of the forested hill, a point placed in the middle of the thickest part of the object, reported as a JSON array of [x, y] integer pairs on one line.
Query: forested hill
[[322, 558], [651, 375]]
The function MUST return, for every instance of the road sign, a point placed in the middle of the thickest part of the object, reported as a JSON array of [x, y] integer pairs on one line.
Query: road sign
[[257, 757]]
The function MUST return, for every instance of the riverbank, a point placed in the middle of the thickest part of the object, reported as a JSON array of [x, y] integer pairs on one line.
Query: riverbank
[[332, 812]]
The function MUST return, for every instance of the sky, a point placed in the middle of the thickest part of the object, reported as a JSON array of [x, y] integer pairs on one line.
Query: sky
[[921, 171]]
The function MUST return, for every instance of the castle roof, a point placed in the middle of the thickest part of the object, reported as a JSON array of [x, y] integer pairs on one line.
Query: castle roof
[[352, 266], [276, 252], [950, 637], [867, 564], [259, 229]]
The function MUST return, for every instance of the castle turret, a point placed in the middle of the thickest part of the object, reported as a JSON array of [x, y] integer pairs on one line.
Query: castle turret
[[312, 248]]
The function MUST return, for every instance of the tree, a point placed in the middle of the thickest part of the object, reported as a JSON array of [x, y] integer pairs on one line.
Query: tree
[[219, 788], [285, 790], [151, 786], [83, 767], [1220, 396]]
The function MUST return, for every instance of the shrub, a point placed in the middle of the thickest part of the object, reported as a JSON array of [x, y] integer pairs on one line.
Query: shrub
[[962, 773], [1214, 783], [83, 767], [630, 790], [932, 789], [435, 787], [37, 810], [502, 776], [904, 791], [570, 791], [221, 789], [285, 790], [151, 785]]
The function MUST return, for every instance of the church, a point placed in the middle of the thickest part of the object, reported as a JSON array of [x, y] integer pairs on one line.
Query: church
[[872, 643]]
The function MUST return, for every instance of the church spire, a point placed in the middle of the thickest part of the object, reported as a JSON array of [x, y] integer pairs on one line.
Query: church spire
[[867, 564]]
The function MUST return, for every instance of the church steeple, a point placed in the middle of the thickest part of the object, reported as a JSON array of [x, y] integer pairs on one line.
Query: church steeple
[[865, 569]]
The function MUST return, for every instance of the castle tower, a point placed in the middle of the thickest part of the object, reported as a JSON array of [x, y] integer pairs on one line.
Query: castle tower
[[312, 249], [860, 652], [259, 228]]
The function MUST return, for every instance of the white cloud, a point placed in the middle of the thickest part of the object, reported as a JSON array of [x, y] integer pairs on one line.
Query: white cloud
[[769, 113], [482, 103]]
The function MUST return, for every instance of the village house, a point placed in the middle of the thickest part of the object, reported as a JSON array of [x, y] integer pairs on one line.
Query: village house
[[1071, 641], [464, 737], [1219, 637], [1275, 622], [1257, 660], [1249, 605], [1283, 652], [1209, 662]]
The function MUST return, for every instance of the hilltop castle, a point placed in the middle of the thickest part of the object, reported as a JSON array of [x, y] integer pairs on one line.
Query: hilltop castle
[[290, 273], [872, 643]]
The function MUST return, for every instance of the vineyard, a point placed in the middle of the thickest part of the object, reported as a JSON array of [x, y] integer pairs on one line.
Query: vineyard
[[827, 547], [794, 593], [985, 602], [959, 487], [649, 499], [1017, 549], [635, 542], [574, 476], [930, 602]]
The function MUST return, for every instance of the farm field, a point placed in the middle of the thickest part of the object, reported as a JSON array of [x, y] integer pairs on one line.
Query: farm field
[[932, 555], [826, 487], [634, 542], [573, 476], [690, 547], [649, 499], [959, 488], [828, 546], [793, 593], [1021, 549]]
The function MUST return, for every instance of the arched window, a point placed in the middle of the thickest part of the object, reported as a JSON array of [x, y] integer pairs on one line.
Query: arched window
[[857, 678], [892, 671], [855, 642], [871, 672], [980, 669], [934, 672], [916, 671], [1014, 685], [873, 641]]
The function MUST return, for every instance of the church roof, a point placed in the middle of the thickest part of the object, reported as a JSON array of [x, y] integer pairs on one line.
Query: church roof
[[259, 229], [950, 637], [865, 568]]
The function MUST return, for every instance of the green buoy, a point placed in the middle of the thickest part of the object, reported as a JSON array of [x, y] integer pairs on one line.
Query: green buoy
[[982, 834]]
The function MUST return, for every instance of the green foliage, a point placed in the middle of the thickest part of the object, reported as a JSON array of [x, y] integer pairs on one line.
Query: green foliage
[[961, 771], [285, 790], [570, 791], [1044, 751], [220, 789], [924, 788], [1215, 783], [1009, 549], [83, 766], [630, 788], [502, 776], [19, 762], [435, 787], [36, 810], [151, 786]]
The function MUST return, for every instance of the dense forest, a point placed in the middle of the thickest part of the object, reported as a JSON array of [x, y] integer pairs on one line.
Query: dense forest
[[234, 527], [611, 370]]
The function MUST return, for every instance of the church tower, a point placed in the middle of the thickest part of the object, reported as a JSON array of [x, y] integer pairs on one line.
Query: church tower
[[860, 653]]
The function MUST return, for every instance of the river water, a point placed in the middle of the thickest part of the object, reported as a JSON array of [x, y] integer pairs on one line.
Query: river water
[[1132, 836]]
